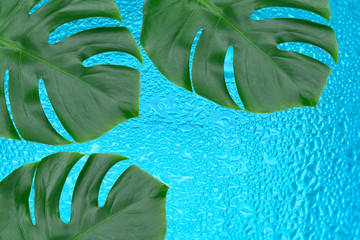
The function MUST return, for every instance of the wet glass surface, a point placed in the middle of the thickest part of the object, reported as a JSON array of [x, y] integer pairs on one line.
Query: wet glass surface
[[232, 174]]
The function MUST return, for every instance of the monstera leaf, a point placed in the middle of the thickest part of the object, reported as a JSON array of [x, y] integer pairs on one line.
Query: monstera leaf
[[89, 101], [134, 208], [267, 79]]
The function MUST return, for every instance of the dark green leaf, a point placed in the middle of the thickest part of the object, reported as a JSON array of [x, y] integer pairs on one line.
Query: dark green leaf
[[89, 101], [134, 208], [267, 79]]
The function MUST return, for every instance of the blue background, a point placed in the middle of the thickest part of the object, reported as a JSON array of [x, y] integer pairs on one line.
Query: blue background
[[232, 174]]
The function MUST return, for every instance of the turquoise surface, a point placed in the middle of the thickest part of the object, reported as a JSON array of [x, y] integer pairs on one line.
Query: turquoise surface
[[232, 174]]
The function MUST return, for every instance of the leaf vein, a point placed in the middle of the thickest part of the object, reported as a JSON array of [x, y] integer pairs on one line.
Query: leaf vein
[[105, 220], [22, 51], [10, 16], [216, 12]]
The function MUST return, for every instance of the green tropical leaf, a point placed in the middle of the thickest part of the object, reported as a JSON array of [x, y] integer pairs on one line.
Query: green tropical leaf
[[134, 208], [89, 101], [267, 79]]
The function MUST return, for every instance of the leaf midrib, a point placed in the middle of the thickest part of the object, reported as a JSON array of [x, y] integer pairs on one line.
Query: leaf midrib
[[216, 11], [16, 48]]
